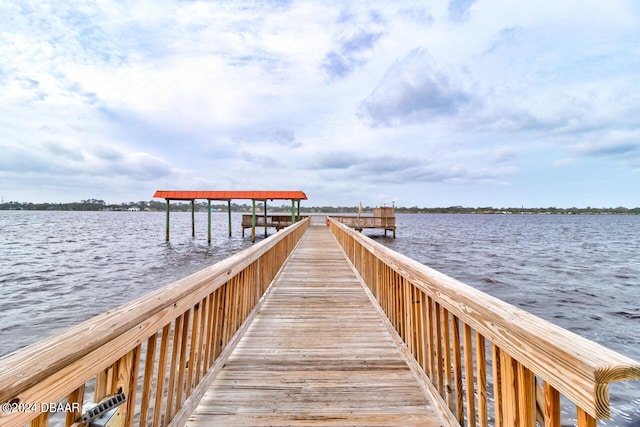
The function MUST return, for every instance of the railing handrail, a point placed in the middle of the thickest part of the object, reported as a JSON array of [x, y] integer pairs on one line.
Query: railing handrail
[[577, 367], [36, 362]]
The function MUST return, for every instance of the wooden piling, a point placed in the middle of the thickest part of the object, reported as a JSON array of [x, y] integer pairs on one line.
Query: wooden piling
[[193, 218], [265, 218], [253, 221], [208, 220], [229, 214], [167, 228]]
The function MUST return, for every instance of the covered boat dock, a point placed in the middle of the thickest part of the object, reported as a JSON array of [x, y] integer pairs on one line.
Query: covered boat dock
[[209, 195]]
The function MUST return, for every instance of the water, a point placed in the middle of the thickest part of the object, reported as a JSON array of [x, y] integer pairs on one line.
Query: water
[[580, 272], [60, 268]]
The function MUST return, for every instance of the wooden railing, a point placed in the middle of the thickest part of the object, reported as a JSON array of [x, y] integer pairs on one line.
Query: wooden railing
[[278, 221], [485, 362], [360, 222], [159, 350]]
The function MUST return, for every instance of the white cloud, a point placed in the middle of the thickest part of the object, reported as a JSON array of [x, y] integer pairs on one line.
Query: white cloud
[[357, 35], [413, 90], [621, 144]]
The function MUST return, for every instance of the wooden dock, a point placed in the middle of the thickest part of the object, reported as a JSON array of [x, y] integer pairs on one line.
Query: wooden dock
[[317, 353], [382, 219]]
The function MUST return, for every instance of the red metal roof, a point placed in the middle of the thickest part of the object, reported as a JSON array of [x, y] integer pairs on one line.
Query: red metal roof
[[228, 195]]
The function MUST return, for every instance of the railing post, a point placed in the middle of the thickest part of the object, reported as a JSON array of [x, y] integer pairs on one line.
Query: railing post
[[257, 278], [162, 368], [468, 371], [446, 333], [526, 384], [552, 406], [439, 365], [77, 398], [509, 390], [584, 419], [497, 385], [481, 374], [147, 378], [125, 378], [41, 421], [457, 369]]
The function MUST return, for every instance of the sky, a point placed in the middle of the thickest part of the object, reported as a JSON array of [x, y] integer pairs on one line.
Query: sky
[[437, 103]]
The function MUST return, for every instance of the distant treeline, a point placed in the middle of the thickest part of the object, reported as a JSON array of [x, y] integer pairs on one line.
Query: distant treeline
[[522, 210], [154, 205]]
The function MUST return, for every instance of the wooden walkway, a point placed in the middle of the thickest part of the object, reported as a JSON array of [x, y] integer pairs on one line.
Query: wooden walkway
[[317, 353]]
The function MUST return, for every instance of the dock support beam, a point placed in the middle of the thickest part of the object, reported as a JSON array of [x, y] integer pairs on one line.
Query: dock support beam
[[168, 220], [229, 210], [293, 211], [253, 221], [209, 221], [193, 218], [265, 218]]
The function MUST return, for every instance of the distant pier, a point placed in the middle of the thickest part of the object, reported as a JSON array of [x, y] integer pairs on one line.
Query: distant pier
[[383, 219]]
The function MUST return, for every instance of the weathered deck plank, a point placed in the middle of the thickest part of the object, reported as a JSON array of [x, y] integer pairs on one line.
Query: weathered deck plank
[[317, 353]]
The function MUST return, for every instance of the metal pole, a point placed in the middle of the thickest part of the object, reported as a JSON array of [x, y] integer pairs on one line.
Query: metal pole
[[229, 210], [265, 217], [298, 209], [209, 221], [167, 220]]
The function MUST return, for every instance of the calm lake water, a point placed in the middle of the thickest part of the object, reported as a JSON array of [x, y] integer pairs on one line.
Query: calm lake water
[[580, 272]]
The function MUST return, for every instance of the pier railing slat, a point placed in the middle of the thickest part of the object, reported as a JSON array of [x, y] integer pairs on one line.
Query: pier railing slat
[[526, 351], [195, 317]]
